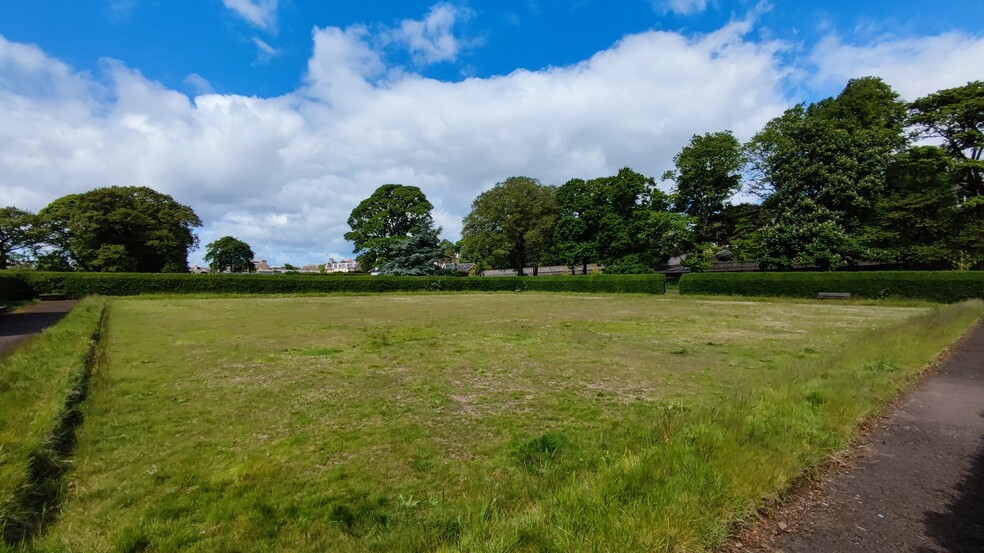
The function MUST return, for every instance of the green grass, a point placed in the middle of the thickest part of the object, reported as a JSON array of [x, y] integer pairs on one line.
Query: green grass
[[474, 422], [38, 385]]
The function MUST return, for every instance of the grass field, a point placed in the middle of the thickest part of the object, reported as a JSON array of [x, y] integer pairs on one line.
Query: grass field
[[472, 422]]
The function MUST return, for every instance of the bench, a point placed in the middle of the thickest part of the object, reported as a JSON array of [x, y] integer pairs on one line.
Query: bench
[[834, 295]]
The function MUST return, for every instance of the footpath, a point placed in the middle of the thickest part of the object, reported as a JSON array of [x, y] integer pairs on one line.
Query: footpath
[[916, 483], [20, 325]]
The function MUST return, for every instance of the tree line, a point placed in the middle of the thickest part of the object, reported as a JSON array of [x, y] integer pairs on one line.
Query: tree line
[[860, 177]]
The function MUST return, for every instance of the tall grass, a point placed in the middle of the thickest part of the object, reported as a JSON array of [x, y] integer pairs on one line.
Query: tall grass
[[41, 387], [678, 479]]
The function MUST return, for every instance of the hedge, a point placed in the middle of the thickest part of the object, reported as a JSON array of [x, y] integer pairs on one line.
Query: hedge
[[940, 286], [13, 287], [78, 285]]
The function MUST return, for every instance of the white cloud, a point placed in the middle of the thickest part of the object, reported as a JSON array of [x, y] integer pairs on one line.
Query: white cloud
[[682, 7], [913, 66], [265, 52], [198, 83], [260, 13], [284, 173], [431, 39]]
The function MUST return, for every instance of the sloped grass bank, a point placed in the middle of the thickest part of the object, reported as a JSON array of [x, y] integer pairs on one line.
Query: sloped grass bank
[[42, 386], [534, 422]]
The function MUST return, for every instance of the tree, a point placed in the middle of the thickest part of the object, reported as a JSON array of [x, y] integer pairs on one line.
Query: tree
[[576, 229], [133, 229], [16, 234], [622, 221], [511, 225], [229, 254], [957, 116], [804, 234], [830, 157], [391, 214], [417, 255], [919, 210], [708, 173]]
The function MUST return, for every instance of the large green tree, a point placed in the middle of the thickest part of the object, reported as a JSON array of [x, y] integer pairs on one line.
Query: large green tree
[[919, 210], [16, 234], [956, 115], [708, 174], [623, 221], [229, 254], [579, 210], [830, 157], [511, 225], [390, 215], [133, 229]]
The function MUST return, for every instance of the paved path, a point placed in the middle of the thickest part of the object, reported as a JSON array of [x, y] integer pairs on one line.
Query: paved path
[[915, 484], [20, 325]]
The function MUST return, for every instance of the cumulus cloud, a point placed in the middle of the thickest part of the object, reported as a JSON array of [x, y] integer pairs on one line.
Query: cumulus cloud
[[283, 173], [260, 13], [431, 39], [913, 66]]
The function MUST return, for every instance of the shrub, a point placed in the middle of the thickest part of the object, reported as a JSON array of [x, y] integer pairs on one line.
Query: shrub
[[77, 285], [941, 286]]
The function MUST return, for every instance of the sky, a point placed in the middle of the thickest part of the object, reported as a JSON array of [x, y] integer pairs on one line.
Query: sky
[[273, 119]]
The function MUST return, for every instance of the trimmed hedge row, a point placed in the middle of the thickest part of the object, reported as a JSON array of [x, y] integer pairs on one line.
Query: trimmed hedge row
[[78, 285], [941, 286], [13, 287]]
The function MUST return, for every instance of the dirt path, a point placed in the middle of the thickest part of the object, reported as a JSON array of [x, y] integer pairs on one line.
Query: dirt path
[[20, 325], [915, 484]]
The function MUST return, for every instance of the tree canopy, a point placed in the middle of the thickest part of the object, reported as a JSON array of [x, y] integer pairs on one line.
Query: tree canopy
[[15, 234], [511, 224], [391, 214], [132, 229], [229, 254], [822, 169], [956, 115], [707, 175]]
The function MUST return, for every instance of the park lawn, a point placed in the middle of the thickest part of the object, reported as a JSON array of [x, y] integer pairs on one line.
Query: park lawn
[[470, 422]]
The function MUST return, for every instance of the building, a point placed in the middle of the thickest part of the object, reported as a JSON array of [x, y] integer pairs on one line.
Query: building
[[343, 266], [263, 268]]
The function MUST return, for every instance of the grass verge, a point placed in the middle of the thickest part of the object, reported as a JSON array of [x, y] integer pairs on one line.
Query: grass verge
[[41, 388], [486, 422]]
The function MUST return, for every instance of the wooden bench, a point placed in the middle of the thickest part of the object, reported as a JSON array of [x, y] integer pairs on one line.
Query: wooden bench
[[834, 295]]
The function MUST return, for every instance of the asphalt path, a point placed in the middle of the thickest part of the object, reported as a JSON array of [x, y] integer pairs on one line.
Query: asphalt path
[[19, 326], [916, 483]]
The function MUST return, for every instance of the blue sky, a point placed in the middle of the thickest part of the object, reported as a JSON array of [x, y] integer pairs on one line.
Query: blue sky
[[274, 118]]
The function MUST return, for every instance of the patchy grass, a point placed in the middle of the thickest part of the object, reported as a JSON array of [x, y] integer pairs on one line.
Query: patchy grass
[[480, 422]]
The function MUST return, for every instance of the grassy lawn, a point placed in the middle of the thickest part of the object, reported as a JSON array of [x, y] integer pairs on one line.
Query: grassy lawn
[[470, 422]]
